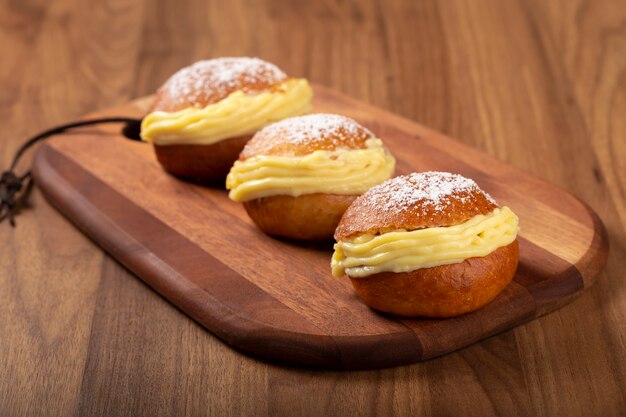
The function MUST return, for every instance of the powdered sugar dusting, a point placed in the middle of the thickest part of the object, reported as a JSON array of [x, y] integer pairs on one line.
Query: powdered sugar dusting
[[415, 201], [316, 127], [430, 191], [218, 78]]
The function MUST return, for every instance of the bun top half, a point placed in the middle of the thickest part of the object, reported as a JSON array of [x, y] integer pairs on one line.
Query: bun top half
[[210, 81], [415, 201], [302, 135]]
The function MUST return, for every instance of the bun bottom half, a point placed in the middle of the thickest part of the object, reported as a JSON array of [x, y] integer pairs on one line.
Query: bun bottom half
[[201, 163], [312, 217], [441, 291]]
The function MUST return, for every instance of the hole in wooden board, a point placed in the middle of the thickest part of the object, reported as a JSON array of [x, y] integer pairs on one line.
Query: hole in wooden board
[[132, 130]]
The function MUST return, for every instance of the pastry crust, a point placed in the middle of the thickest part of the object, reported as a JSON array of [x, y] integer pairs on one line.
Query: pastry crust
[[441, 291], [201, 163], [366, 214], [307, 217], [293, 137], [207, 82]]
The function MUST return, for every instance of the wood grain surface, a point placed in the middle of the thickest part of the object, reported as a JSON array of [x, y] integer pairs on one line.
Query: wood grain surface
[[277, 300], [538, 84]]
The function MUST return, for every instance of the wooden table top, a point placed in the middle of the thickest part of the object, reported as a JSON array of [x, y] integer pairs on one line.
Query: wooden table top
[[540, 85]]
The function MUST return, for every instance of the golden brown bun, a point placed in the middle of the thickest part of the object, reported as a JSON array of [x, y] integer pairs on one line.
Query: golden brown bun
[[201, 163], [313, 216], [307, 217], [302, 135], [209, 81], [441, 291], [414, 201], [203, 83], [419, 201]]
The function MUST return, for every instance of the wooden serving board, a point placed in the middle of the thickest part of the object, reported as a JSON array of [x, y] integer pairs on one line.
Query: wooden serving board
[[277, 300]]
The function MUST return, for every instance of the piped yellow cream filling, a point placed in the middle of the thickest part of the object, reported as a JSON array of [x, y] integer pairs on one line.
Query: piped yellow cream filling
[[342, 171], [236, 115], [404, 251]]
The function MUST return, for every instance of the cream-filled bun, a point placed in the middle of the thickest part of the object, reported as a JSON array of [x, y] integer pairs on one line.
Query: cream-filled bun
[[429, 244], [204, 114], [296, 177]]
